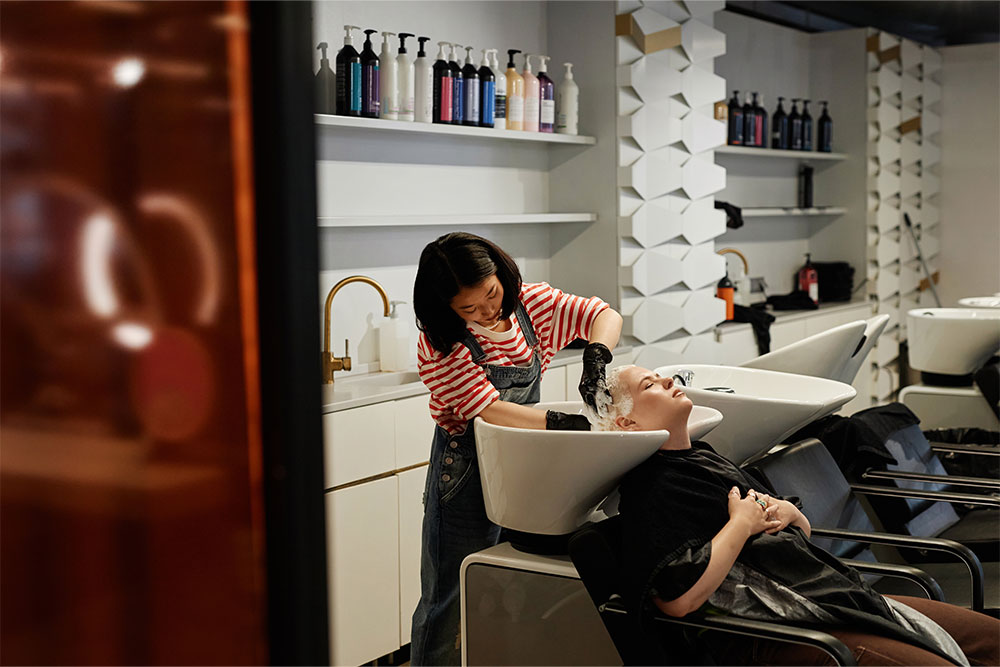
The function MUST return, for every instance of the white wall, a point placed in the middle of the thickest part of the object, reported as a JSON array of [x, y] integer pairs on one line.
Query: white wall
[[970, 172]]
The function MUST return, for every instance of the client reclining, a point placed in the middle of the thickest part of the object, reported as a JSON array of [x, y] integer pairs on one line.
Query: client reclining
[[700, 533]]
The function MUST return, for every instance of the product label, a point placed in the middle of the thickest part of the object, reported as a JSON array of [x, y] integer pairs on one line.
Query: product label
[[500, 111], [355, 91], [531, 110], [814, 291], [547, 112], [487, 102], [443, 91], [369, 91], [471, 111], [457, 99], [515, 109]]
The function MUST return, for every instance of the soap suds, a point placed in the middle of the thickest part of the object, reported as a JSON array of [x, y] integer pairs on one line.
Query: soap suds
[[610, 408]]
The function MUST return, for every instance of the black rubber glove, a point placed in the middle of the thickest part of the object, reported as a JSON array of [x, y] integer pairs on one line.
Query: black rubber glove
[[595, 357], [560, 421]]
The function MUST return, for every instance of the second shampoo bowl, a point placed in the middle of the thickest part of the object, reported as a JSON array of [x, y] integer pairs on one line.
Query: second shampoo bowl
[[822, 355], [548, 482], [952, 341], [760, 407]]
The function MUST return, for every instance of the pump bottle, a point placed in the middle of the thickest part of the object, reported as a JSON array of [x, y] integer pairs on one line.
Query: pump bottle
[[568, 103], [807, 127], [487, 91], [423, 85], [724, 290], [500, 97], [824, 130], [546, 98], [749, 122], [735, 120], [760, 122], [404, 80], [326, 83], [443, 87], [457, 87], [370, 99], [348, 76], [388, 80], [530, 97], [779, 127], [795, 127], [808, 280], [470, 76], [515, 94]]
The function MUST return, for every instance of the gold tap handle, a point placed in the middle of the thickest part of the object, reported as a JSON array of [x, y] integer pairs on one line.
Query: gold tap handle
[[346, 351]]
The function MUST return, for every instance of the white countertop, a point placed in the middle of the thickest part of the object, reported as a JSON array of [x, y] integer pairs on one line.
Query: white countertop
[[792, 315]]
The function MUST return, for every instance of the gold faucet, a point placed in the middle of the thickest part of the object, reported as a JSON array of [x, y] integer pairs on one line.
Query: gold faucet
[[330, 362], [734, 251]]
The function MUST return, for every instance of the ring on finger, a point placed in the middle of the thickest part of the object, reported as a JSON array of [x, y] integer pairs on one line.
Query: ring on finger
[[760, 502]]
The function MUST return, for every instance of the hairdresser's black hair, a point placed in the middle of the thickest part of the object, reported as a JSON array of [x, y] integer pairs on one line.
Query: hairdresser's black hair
[[447, 265]]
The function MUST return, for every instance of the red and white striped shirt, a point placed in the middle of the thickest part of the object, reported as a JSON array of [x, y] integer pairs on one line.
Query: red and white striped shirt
[[459, 387]]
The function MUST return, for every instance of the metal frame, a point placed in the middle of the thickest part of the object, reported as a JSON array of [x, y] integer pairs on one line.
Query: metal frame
[[954, 480]]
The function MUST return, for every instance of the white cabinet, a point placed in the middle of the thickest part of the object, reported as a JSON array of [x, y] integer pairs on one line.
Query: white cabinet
[[411, 517], [414, 429], [786, 333], [358, 443], [363, 571]]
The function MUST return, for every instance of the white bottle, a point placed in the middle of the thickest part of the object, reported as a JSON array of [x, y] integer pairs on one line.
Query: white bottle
[[388, 80], [423, 86], [394, 340], [500, 99], [404, 80], [531, 107], [567, 103]]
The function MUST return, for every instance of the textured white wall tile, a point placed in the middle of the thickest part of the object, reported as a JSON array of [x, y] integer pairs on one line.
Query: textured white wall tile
[[886, 81], [703, 9], [888, 150], [910, 56], [702, 266], [701, 221], [702, 42], [626, 50], [909, 149], [702, 177], [654, 319], [626, 6], [701, 86], [909, 183], [665, 353], [656, 269], [702, 132], [656, 221], [651, 128], [628, 151], [932, 92], [652, 77], [702, 311], [628, 101], [650, 22]]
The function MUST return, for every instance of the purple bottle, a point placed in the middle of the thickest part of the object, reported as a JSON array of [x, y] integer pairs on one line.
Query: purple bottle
[[546, 98]]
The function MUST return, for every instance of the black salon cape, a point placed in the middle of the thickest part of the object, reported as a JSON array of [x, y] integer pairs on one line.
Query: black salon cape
[[676, 501]]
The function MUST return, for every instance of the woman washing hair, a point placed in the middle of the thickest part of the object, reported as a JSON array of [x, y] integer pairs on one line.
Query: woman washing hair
[[698, 532], [486, 340]]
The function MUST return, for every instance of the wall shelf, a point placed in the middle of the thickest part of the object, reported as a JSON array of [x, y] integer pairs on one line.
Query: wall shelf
[[380, 125], [791, 211], [805, 156], [350, 221]]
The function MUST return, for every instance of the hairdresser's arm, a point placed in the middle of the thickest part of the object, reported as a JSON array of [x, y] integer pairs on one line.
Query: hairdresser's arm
[[746, 518], [504, 413], [607, 328]]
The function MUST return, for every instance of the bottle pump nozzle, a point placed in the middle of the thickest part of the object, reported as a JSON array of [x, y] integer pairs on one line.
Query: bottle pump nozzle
[[455, 49], [385, 37], [468, 55], [569, 70], [441, 54], [402, 41], [368, 37], [348, 39], [323, 59], [420, 49], [527, 63], [543, 63], [510, 56]]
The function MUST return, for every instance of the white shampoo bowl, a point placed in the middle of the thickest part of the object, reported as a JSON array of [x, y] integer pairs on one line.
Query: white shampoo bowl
[[952, 341], [823, 355], [764, 406], [549, 482], [874, 326], [980, 302]]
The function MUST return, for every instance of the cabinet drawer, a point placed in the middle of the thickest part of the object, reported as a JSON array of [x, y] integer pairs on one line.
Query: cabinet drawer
[[411, 518], [363, 571], [358, 443], [786, 333], [554, 385], [414, 430]]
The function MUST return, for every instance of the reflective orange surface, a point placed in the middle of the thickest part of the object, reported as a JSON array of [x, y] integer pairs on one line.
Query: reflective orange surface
[[130, 524]]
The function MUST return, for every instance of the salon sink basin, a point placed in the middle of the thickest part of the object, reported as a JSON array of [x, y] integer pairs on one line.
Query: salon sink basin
[[823, 355], [760, 407], [379, 379], [952, 341], [549, 482], [980, 301]]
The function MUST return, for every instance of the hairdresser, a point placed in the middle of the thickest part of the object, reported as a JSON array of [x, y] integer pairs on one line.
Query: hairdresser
[[486, 340]]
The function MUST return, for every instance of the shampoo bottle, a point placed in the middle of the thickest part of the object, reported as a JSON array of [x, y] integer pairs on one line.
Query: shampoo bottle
[[735, 120], [326, 83], [388, 80], [807, 127], [443, 87], [808, 280], [500, 98], [370, 102], [470, 76], [567, 103], [405, 83], [749, 122], [546, 98], [779, 127], [349, 76], [795, 127], [487, 91], [457, 87], [423, 85], [530, 97], [724, 290], [394, 341], [824, 138], [515, 94], [760, 135]]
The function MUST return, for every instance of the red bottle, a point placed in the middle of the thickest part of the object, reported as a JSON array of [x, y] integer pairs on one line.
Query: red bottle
[[809, 280]]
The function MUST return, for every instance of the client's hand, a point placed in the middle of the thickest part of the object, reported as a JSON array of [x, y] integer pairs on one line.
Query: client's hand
[[749, 512], [785, 513]]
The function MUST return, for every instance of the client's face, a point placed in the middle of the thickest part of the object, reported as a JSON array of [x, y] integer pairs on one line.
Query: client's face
[[656, 402]]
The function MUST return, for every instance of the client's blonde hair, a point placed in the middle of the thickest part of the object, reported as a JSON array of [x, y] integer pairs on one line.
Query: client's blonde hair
[[620, 406]]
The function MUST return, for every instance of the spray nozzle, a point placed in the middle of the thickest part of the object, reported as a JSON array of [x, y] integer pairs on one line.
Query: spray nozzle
[[420, 49], [510, 56], [543, 63], [348, 39], [402, 40], [569, 70], [468, 55], [323, 46]]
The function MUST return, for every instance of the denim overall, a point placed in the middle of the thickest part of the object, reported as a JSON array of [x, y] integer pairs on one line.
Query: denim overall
[[455, 522]]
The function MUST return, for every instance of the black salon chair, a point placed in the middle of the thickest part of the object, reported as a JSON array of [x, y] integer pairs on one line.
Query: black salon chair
[[678, 641], [841, 525]]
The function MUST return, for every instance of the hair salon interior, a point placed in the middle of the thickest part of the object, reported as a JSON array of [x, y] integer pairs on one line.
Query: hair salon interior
[[216, 424]]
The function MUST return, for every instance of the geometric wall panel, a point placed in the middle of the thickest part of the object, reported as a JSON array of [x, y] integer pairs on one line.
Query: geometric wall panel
[[651, 127], [703, 310], [702, 267], [654, 174], [656, 269], [701, 221], [702, 177], [651, 77], [655, 222], [702, 42], [702, 132], [701, 86], [704, 9], [656, 317]]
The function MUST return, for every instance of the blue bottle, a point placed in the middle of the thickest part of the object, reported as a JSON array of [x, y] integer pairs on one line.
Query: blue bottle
[[458, 88], [487, 92]]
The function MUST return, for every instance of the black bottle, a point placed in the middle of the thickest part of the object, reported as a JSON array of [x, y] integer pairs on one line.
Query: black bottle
[[807, 127], [470, 73], [326, 84], [487, 94], [749, 122], [779, 127], [824, 131], [805, 186], [735, 120], [370, 101], [795, 127], [760, 123], [442, 106], [457, 88], [348, 77]]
